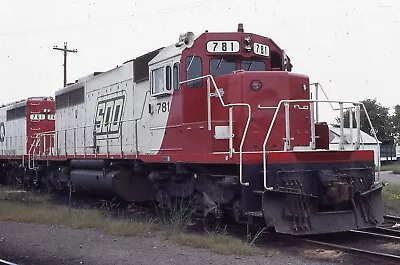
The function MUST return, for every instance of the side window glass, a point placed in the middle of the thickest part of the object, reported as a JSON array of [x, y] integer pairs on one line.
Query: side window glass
[[157, 80], [194, 69], [168, 78], [176, 76]]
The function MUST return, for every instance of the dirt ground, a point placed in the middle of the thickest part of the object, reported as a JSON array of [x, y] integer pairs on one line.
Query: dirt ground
[[32, 244]]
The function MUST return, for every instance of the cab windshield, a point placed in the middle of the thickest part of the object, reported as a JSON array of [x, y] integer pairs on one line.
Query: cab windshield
[[220, 66]]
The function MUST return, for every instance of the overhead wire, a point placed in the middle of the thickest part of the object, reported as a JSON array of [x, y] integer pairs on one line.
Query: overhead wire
[[113, 20]]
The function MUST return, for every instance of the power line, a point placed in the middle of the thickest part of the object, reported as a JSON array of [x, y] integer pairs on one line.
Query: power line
[[115, 19], [65, 50]]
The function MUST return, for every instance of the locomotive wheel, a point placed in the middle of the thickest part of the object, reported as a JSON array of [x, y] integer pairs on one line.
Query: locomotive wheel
[[212, 213], [211, 223]]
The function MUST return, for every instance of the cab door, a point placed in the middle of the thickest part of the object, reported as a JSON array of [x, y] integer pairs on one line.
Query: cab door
[[164, 107], [195, 94], [197, 136], [199, 109]]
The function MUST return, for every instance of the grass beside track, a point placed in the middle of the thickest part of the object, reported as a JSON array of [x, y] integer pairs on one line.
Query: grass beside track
[[395, 168], [391, 197], [220, 244], [18, 206]]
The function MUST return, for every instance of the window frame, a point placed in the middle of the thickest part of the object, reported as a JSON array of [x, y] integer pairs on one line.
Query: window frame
[[199, 82], [168, 78], [258, 61], [168, 75], [152, 83], [176, 78], [234, 63]]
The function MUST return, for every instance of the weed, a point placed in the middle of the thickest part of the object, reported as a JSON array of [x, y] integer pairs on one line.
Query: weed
[[7, 194], [78, 219], [257, 235], [217, 243], [178, 217], [30, 208]]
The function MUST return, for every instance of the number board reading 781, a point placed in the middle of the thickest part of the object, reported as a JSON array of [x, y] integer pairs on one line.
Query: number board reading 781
[[223, 46], [261, 49]]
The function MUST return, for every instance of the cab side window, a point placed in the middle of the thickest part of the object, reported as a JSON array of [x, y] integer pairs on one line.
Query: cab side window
[[176, 76], [157, 81], [194, 68], [168, 77]]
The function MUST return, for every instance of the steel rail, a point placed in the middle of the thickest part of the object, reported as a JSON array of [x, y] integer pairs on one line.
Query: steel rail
[[384, 234], [388, 230], [392, 218], [354, 250]]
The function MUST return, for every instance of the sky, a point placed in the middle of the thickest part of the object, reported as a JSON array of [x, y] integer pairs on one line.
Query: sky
[[350, 47]]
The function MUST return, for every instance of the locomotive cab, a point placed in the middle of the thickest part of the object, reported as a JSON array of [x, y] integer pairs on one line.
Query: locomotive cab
[[246, 68], [240, 98]]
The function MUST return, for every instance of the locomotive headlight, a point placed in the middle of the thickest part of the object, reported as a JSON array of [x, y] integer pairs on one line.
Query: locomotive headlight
[[256, 85]]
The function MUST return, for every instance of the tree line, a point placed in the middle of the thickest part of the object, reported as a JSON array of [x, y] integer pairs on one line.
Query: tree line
[[386, 125]]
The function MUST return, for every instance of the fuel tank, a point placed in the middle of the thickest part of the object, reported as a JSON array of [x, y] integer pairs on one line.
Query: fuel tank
[[115, 183], [89, 163]]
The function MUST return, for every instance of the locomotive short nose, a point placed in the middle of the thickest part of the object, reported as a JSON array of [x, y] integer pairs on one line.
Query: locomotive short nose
[[313, 201]]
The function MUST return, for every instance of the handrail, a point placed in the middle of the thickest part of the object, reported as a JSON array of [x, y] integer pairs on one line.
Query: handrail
[[376, 138], [311, 101], [33, 146], [29, 153], [210, 77], [36, 142]]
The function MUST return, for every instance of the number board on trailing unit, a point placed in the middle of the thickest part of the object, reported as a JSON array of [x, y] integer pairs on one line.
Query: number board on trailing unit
[[108, 118], [223, 46], [261, 49], [42, 117], [37, 117]]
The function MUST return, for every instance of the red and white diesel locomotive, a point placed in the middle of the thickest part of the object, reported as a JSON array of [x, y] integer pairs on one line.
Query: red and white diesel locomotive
[[20, 124], [217, 120]]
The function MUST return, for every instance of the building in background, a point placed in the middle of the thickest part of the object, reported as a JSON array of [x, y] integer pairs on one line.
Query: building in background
[[350, 135]]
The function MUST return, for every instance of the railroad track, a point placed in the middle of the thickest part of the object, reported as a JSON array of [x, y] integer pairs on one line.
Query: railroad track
[[386, 256], [384, 233], [392, 218], [380, 233]]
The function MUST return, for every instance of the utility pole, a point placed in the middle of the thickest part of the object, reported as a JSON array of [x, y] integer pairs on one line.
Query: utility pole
[[65, 51]]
